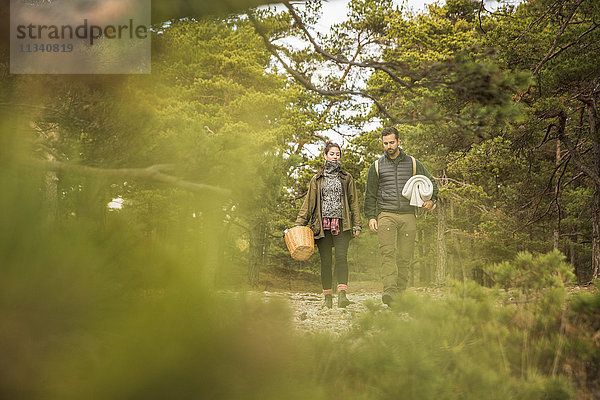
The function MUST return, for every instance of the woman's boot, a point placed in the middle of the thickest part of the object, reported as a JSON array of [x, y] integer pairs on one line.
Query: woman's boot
[[342, 299], [328, 300]]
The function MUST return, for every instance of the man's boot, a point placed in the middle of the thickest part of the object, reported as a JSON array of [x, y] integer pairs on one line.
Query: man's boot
[[387, 298], [328, 300], [342, 299]]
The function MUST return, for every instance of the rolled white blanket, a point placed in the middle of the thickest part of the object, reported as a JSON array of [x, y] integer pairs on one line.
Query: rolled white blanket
[[418, 189]]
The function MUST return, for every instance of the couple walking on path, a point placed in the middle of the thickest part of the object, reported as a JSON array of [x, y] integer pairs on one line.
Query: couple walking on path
[[331, 210]]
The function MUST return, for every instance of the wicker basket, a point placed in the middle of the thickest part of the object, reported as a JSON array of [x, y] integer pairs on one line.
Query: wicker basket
[[300, 241]]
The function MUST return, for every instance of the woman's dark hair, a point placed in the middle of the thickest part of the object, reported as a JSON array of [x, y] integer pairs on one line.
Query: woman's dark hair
[[329, 145]]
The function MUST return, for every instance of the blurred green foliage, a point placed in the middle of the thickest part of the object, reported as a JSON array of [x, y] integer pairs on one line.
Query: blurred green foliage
[[99, 314], [109, 303]]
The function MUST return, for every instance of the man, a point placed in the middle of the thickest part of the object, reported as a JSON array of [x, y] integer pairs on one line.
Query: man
[[390, 215]]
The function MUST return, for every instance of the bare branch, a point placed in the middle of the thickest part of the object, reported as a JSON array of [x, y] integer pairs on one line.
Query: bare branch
[[548, 185], [481, 8], [350, 135], [301, 195], [592, 113], [574, 152], [533, 221], [359, 47], [480, 207], [458, 182], [551, 53], [341, 59], [547, 137], [579, 175], [561, 49], [541, 17], [152, 173], [307, 84]]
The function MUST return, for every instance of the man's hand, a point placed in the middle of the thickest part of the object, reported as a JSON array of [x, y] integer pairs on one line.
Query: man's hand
[[373, 225], [428, 205], [356, 233]]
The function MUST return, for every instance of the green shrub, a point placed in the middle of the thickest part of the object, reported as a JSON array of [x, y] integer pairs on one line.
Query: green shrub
[[466, 346], [531, 273]]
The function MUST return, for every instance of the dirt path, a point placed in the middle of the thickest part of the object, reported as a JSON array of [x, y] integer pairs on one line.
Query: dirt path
[[310, 316]]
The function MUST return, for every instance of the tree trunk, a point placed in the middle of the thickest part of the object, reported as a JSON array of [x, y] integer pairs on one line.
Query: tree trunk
[[221, 253], [461, 265], [573, 254], [212, 234], [591, 169], [595, 133], [596, 234], [257, 248], [442, 256], [556, 194]]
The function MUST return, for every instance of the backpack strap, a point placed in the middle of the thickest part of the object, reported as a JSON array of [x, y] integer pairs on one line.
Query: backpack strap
[[414, 162], [376, 163]]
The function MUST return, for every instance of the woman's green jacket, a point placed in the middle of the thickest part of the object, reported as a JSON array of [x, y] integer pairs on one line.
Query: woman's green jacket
[[310, 212]]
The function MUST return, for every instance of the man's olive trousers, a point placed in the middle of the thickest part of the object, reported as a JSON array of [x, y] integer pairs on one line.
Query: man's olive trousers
[[396, 235]]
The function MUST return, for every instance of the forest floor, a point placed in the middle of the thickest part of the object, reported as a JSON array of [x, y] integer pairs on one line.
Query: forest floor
[[301, 290], [310, 316]]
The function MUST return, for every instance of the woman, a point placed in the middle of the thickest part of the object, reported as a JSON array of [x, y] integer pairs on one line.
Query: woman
[[331, 210]]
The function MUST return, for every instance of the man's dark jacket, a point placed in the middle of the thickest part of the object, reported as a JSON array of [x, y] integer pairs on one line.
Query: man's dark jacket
[[384, 189]]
